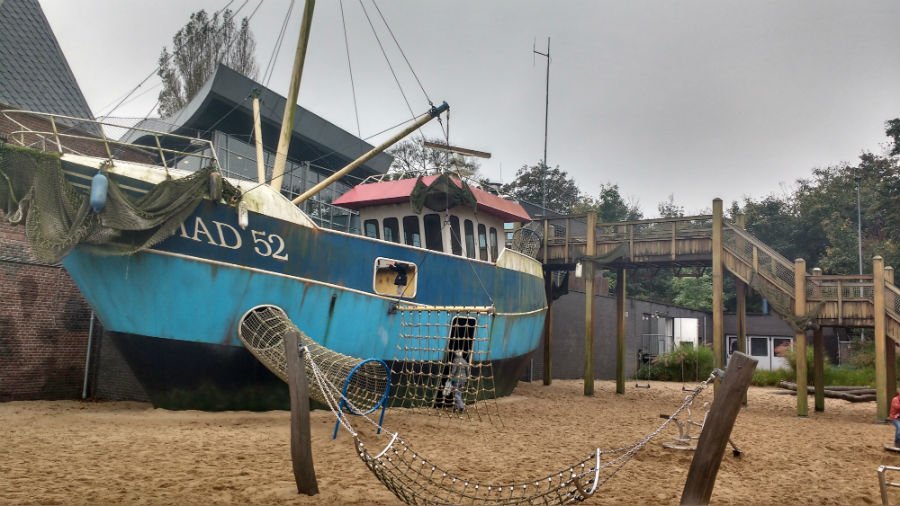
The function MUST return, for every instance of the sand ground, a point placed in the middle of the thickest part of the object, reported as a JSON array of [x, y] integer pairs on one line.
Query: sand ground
[[129, 453]]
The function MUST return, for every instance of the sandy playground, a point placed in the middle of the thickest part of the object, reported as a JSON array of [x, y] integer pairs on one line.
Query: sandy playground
[[129, 453]]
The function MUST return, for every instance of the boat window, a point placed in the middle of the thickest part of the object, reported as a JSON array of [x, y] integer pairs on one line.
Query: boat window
[[455, 236], [434, 239], [371, 229], [482, 243], [470, 239], [492, 237], [411, 233], [391, 230], [395, 278]]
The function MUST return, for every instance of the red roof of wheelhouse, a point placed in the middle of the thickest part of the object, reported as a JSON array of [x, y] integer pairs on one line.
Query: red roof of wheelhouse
[[398, 192]]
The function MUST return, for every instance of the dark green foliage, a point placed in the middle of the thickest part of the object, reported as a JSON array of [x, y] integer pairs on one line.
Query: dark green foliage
[[684, 364], [534, 183]]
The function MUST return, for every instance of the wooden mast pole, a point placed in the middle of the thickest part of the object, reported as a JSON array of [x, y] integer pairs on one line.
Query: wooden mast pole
[[421, 120], [740, 291], [257, 135], [290, 106]]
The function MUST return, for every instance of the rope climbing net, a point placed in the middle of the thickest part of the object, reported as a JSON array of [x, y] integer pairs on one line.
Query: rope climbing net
[[444, 361], [415, 479], [262, 330]]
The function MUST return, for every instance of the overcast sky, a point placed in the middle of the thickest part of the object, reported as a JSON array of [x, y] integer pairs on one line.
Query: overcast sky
[[693, 99]]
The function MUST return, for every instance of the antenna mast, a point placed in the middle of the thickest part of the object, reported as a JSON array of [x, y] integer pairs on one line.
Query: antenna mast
[[546, 117]]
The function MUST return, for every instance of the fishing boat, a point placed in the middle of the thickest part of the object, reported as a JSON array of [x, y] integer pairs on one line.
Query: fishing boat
[[171, 259]]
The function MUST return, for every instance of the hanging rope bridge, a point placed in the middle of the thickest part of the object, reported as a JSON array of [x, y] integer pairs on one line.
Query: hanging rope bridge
[[414, 479], [340, 381]]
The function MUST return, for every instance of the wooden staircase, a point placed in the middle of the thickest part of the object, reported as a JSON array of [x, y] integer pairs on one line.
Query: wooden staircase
[[681, 243], [687, 243]]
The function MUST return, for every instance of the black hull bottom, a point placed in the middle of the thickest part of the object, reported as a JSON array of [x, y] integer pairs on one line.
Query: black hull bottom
[[208, 377]]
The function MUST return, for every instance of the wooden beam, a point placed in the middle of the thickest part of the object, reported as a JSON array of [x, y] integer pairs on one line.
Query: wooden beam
[[717, 430], [881, 398], [301, 440], [718, 287], [590, 251], [456, 149], [800, 335], [621, 280]]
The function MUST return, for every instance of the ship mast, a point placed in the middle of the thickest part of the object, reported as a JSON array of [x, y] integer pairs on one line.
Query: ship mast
[[290, 106]]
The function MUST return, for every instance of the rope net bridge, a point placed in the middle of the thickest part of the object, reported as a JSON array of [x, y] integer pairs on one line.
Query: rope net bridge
[[410, 476]]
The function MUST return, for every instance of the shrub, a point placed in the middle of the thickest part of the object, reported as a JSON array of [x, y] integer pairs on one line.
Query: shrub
[[683, 364]]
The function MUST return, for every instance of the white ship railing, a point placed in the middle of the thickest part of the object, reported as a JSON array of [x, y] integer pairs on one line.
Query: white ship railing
[[67, 138]]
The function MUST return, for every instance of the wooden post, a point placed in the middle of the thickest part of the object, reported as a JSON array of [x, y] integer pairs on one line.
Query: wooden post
[[620, 330], [257, 136], [818, 354], [881, 384], [718, 307], [800, 336], [819, 368], [590, 251], [301, 440], [548, 330], [890, 350], [717, 430], [741, 298]]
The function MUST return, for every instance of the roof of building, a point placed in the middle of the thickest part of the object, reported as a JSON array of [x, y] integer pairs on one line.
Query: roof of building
[[225, 104], [396, 192], [34, 73]]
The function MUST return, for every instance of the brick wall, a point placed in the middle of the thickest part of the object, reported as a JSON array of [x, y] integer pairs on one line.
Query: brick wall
[[43, 325]]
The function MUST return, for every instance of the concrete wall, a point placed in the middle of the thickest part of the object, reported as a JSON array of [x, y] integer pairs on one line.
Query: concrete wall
[[567, 347]]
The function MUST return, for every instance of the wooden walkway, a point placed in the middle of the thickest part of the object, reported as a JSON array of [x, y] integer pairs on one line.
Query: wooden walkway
[[809, 300]]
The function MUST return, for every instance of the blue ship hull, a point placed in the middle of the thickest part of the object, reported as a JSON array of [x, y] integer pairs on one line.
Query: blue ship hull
[[181, 301]]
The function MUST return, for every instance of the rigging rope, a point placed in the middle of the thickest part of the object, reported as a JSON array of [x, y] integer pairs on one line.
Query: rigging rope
[[414, 479]]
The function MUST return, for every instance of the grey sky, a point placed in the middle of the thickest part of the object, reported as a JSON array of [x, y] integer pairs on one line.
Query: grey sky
[[694, 99]]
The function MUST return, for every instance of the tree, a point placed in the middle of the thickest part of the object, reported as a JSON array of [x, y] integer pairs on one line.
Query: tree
[[531, 183], [892, 129], [197, 48], [668, 208], [411, 157]]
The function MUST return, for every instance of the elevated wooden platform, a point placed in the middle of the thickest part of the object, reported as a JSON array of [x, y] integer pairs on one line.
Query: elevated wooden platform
[[808, 300]]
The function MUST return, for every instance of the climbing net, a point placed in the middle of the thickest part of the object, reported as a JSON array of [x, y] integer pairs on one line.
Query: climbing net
[[428, 368], [415, 479], [262, 330]]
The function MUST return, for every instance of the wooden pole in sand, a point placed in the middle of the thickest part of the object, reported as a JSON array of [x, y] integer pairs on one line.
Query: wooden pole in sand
[[740, 290], [589, 267], [800, 336], [890, 350], [621, 280], [718, 305], [301, 441], [882, 400], [717, 430]]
